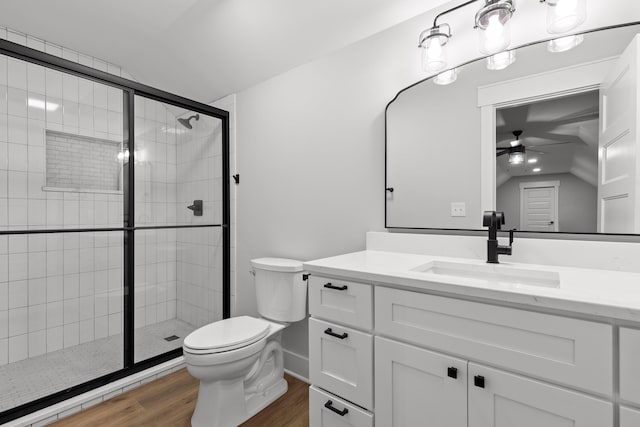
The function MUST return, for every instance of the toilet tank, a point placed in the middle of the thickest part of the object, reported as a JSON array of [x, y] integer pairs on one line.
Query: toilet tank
[[280, 290]]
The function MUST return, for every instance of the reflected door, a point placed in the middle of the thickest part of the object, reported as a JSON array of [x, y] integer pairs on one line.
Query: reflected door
[[539, 207], [618, 176]]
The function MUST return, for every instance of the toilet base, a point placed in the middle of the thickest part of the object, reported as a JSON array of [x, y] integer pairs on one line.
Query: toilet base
[[258, 401]]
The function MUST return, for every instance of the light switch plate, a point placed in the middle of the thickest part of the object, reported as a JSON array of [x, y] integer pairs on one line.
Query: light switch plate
[[458, 209]]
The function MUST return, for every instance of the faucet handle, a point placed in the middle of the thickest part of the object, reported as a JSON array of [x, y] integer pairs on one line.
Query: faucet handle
[[511, 236], [500, 219], [488, 219]]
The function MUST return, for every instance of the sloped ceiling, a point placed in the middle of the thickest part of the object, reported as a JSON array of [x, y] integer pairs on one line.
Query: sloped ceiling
[[205, 49]]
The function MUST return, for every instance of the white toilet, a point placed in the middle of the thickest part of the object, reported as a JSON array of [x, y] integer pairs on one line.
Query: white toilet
[[239, 360]]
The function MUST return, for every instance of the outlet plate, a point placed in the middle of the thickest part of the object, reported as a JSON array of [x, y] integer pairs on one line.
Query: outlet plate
[[458, 209]]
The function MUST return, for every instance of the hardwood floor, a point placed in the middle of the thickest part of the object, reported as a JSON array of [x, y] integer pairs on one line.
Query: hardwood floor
[[170, 400]]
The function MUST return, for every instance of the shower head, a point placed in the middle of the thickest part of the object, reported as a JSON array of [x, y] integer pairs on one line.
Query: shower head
[[187, 122]]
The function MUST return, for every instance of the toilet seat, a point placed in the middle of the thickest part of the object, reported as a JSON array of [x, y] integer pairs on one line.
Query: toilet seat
[[226, 335]]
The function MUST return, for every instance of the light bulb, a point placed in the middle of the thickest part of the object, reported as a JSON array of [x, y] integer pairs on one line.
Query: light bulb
[[495, 37], [434, 55], [516, 158]]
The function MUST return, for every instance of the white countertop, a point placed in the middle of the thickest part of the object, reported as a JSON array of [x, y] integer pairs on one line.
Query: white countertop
[[603, 293]]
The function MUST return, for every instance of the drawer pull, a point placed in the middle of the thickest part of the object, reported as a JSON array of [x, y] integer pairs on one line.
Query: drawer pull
[[329, 405], [452, 372], [342, 336], [337, 288], [478, 381]]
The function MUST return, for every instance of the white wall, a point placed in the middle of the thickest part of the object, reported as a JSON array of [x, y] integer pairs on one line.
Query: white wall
[[577, 202], [311, 143]]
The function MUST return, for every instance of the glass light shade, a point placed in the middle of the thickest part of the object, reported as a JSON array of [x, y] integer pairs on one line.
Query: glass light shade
[[565, 15], [434, 55], [494, 29], [516, 158], [564, 44], [446, 77], [501, 60]]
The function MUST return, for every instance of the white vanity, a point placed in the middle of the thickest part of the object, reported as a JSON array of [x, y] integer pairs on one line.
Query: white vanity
[[404, 338]]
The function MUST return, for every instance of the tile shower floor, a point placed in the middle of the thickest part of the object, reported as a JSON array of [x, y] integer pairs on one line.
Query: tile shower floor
[[30, 379]]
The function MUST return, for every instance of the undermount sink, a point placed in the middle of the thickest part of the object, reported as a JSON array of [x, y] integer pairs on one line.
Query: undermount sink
[[492, 273]]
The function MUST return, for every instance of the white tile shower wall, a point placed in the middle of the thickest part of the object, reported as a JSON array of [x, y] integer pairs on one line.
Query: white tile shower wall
[[199, 176], [60, 290]]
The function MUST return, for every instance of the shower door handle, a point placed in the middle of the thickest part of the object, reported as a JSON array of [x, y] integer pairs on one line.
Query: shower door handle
[[196, 207]]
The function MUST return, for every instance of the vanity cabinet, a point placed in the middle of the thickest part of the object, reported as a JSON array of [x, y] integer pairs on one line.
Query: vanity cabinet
[[404, 358]]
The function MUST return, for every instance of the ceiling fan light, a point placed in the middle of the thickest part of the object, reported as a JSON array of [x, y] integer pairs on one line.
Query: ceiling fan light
[[516, 158], [492, 22], [565, 15], [501, 60], [564, 44], [446, 77], [433, 44]]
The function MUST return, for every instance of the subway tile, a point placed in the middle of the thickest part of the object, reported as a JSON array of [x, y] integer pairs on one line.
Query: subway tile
[[86, 332], [17, 37], [53, 49], [37, 290], [17, 128], [4, 324], [18, 321], [70, 55], [36, 160], [37, 343], [53, 81], [4, 286], [36, 78], [35, 43], [37, 265], [71, 334], [18, 348], [55, 315], [37, 318], [16, 102], [55, 287], [18, 268], [17, 74], [54, 338], [71, 286], [17, 212]]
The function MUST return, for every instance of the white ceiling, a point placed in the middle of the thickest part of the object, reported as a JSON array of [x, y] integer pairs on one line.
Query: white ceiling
[[205, 49]]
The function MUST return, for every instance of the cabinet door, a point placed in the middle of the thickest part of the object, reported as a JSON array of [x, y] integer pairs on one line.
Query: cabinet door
[[507, 400], [416, 387], [629, 369]]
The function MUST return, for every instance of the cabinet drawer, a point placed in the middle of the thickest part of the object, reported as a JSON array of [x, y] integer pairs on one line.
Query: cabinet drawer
[[630, 365], [341, 361], [341, 301], [511, 400], [629, 417], [345, 414], [559, 349]]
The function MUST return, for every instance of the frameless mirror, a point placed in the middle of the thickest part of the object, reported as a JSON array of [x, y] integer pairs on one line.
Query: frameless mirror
[[550, 140]]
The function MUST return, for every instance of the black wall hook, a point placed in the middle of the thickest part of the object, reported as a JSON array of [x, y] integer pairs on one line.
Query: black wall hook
[[236, 178]]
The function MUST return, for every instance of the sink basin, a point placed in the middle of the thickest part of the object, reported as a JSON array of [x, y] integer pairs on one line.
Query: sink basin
[[492, 273]]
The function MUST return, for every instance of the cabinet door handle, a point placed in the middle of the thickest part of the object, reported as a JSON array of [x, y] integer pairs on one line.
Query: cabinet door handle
[[337, 288], [452, 372], [329, 405], [342, 336], [478, 381]]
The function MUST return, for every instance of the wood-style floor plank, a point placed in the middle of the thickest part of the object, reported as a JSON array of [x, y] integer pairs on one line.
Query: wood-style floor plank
[[170, 401]]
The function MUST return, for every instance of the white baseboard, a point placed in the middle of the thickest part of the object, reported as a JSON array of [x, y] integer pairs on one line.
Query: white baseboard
[[296, 365], [75, 404]]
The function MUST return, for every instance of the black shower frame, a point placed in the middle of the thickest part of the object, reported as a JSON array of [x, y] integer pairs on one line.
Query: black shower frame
[[130, 90]]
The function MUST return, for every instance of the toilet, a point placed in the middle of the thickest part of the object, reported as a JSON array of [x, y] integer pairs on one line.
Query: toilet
[[239, 360]]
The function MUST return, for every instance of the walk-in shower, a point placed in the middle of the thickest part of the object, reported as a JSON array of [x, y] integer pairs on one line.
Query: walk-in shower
[[103, 269]]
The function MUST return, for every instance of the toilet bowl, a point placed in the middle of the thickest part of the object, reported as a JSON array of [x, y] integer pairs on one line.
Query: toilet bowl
[[239, 360]]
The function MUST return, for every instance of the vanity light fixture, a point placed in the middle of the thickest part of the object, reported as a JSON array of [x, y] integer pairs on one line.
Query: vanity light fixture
[[433, 44], [492, 22], [446, 77], [501, 60], [564, 44], [565, 15]]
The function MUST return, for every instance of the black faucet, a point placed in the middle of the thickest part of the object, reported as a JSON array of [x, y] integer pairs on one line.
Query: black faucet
[[494, 220]]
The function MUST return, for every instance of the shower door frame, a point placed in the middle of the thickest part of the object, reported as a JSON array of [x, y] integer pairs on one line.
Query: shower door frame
[[130, 90]]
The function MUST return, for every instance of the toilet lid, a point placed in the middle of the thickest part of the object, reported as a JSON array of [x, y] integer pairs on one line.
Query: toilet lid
[[227, 334]]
